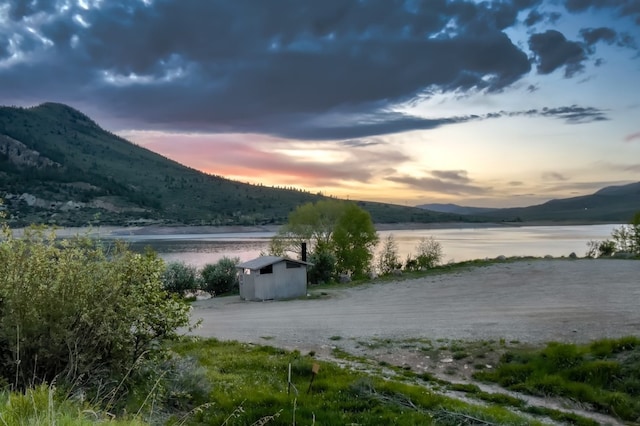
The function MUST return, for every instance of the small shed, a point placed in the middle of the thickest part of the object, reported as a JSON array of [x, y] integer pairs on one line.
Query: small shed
[[272, 277]]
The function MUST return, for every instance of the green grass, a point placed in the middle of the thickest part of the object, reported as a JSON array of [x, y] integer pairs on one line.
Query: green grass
[[44, 405], [250, 383], [604, 374]]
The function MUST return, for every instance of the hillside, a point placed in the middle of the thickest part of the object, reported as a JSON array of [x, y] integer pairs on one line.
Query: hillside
[[455, 209], [611, 204], [58, 166]]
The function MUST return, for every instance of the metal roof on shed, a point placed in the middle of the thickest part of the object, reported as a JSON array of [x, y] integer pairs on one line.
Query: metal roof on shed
[[264, 261]]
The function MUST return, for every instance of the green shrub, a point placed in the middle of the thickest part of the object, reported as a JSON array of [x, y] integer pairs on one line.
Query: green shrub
[[220, 277], [323, 267], [179, 277], [429, 253], [72, 312], [560, 356]]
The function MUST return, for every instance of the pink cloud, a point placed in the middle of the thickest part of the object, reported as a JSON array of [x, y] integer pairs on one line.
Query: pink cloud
[[632, 136], [255, 158]]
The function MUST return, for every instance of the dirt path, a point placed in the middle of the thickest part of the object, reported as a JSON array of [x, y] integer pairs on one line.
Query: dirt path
[[530, 301]]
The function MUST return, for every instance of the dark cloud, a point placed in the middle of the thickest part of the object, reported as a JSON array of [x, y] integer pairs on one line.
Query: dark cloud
[[440, 185], [574, 114], [301, 69], [246, 66], [355, 126], [361, 143], [623, 8], [592, 36], [19, 9], [452, 175], [552, 51], [535, 17], [554, 176]]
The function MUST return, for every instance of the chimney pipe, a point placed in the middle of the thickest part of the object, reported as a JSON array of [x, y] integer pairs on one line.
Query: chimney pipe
[[303, 255]]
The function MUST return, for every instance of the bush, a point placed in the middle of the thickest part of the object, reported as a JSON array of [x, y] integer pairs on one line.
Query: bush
[[69, 311], [220, 277], [429, 253], [323, 268], [179, 277], [601, 248]]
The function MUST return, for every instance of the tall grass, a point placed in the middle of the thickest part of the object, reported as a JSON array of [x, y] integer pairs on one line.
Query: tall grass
[[43, 405], [604, 374]]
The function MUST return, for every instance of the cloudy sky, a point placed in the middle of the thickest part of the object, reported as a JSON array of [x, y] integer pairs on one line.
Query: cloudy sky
[[492, 103]]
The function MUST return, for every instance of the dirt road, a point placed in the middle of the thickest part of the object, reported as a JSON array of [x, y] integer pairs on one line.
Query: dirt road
[[530, 301]]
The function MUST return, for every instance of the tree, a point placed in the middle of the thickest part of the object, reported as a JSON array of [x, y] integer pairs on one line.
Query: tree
[[313, 223], [354, 239], [388, 260], [71, 310], [220, 277], [626, 238], [333, 230]]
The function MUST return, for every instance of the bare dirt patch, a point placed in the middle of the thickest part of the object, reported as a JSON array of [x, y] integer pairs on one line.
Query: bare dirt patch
[[531, 301]]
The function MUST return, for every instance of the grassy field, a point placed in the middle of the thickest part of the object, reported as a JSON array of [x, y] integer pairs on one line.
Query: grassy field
[[251, 387], [209, 382]]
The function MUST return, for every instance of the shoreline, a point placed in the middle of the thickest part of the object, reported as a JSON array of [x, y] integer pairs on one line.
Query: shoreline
[[157, 230]]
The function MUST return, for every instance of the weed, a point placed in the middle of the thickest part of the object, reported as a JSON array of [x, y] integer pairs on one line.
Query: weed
[[460, 355]]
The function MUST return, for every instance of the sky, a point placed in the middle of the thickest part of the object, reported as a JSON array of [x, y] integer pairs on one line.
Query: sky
[[480, 103]]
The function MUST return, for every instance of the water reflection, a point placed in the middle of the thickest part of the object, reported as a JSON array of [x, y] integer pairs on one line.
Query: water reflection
[[458, 244]]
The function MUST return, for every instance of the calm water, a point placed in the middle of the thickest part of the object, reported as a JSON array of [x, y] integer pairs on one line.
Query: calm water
[[457, 244]]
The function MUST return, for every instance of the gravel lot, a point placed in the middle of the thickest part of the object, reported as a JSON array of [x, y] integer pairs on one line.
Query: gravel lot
[[530, 301]]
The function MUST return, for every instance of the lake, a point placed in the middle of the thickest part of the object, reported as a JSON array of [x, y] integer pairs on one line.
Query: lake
[[458, 244]]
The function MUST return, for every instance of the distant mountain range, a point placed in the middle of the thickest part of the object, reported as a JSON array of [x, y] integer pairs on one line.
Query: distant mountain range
[[57, 166], [616, 204]]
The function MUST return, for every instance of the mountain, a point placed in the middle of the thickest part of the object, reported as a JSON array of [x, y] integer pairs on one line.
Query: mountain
[[613, 204], [455, 209], [58, 166]]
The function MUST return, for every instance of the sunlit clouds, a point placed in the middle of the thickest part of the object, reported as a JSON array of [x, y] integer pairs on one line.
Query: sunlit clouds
[[497, 103]]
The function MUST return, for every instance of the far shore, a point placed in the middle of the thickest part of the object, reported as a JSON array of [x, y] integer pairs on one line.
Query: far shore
[[158, 230]]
